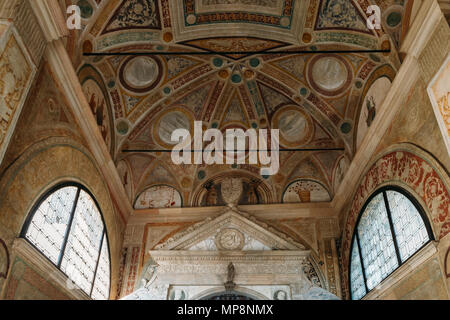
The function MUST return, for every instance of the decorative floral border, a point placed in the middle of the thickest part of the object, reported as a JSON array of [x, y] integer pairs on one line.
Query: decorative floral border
[[406, 169]]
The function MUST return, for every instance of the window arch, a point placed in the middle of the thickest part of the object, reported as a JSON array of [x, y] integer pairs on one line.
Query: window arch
[[390, 229], [67, 227]]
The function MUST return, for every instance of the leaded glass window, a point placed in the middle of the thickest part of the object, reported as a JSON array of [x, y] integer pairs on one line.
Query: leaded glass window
[[376, 242], [390, 229], [356, 276], [411, 232], [67, 227]]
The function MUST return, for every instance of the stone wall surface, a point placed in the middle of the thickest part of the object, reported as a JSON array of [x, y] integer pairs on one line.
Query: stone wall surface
[[46, 149], [425, 283]]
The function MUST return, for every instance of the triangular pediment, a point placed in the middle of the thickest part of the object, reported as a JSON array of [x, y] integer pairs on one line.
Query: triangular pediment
[[230, 231]]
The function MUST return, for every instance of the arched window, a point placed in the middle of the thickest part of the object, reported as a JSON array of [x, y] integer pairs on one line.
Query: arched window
[[67, 227], [390, 229]]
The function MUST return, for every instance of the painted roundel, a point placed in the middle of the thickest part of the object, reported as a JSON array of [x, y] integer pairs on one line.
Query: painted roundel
[[305, 191], [329, 75], [160, 196], [296, 127], [169, 121], [140, 74]]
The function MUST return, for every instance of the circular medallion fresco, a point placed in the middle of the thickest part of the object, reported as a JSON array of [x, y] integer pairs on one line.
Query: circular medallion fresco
[[329, 75], [393, 16], [168, 122], [140, 74], [296, 127], [160, 196], [122, 127], [230, 239]]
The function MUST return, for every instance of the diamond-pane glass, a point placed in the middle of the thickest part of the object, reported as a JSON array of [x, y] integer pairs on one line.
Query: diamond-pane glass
[[357, 287], [101, 283], [83, 244], [377, 245], [76, 251], [48, 226], [409, 228]]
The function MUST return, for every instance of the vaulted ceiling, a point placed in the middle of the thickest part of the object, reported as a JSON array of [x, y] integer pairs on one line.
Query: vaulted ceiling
[[317, 100]]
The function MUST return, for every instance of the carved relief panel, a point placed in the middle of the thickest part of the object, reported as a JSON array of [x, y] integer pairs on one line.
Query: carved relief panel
[[439, 90], [16, 74]]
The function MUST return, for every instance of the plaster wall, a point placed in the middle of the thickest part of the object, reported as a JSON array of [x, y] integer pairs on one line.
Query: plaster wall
[[45, 150]]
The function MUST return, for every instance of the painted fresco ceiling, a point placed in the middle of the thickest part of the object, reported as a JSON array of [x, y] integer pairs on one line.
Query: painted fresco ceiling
[[316, 100]]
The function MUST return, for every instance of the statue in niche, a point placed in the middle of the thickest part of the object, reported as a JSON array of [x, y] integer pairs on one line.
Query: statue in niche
[[230, 285], [231, 272], [280, 295], [371, 110]]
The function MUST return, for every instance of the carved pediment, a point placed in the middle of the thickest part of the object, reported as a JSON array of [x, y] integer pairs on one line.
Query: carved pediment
[[231, 230]]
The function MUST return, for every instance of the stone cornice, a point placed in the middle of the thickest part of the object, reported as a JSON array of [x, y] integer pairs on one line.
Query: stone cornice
[[32, 256], [260, 211], [61, 65], [50, 18], [224, 256]]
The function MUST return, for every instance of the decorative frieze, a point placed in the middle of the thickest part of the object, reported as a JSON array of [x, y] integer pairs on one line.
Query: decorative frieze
[[435, 51]]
